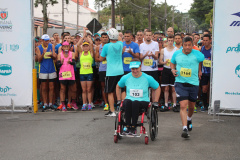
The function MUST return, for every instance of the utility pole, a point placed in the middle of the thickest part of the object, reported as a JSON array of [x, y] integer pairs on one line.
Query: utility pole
[[173, 18], [77, 14], [149, 15], [165, 17], [120, 14], [113, 13], [62, 15]]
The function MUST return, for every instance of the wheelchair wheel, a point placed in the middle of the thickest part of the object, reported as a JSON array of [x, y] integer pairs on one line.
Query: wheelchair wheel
[[116, 127], [153, 124], [146, 140]]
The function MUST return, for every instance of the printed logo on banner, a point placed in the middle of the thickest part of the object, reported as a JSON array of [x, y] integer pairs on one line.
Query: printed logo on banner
[[5, 26], [14, 47], [237, 71], [4, 91], [3, 14], [5, 69], [5, 47], [234, 49], [1, 48], [236, 23]]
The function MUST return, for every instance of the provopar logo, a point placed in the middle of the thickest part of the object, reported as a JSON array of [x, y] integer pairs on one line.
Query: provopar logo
[[3, 13], [5, 69]]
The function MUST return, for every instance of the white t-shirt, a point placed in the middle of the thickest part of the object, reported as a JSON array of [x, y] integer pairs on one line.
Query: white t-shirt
[[149, 63]]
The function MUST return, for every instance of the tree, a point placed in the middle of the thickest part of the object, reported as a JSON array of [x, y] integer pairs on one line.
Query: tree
[[45, 4]]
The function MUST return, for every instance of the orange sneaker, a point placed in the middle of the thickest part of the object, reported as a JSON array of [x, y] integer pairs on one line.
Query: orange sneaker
[[69, 106], [59, 107]]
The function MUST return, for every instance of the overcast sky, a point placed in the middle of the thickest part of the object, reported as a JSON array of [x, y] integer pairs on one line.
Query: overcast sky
[[181, 5]]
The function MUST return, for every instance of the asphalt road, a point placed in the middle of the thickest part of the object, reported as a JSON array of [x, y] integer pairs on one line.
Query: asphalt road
[[89, 135]]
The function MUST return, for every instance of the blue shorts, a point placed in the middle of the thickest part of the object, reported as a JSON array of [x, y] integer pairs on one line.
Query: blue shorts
[[186, 91], [86, 77]]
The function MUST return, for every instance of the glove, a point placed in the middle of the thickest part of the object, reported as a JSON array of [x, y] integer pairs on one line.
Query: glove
[[73, 62], [59, 64]]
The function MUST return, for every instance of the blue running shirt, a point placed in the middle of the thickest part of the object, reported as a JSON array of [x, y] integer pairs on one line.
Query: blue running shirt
[[113, 54], [187, 66], [137, 88], [206, 66]]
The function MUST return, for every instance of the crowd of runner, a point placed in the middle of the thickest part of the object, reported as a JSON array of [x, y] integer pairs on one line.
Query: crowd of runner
[[76, 71]]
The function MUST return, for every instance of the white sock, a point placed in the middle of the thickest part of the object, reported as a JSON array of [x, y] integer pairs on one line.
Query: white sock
[[166, 104], [45, 104], [174, 104], [50, 104], [189, 118], [184, 127]]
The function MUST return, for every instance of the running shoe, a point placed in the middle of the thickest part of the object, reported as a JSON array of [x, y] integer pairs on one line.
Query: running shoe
[[102, 104], [166, 108], [195, 109], [64, 109], [84, 107], [134, 131], [185, 133], [51, 108], [89, 107], [106, 107], [44, 108], [92, 105], [126, 131], [74, 105], [69, 106], [162, 109], [189, 125], [59, 107], [175, 109], [110, 114]]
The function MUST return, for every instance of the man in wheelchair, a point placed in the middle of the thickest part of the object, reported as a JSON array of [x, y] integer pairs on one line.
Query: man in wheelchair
[[137, 98]]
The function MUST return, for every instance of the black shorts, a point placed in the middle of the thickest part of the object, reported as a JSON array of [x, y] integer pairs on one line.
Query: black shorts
[[167, 77], [67, 82], [205, 79], [111, 83], [47, 80], [154, 74], [186, 91], [102, 75]]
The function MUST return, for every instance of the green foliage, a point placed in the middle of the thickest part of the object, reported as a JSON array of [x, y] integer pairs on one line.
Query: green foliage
[[209, 17]]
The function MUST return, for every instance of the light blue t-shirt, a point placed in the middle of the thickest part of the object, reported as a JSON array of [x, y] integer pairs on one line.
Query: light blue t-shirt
[[137, 88], [187, 66], [113, 54], [57, 47], [127, 57]]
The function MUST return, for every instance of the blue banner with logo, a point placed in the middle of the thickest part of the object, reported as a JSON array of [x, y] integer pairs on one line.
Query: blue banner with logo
[[15, 53], [226, 54]]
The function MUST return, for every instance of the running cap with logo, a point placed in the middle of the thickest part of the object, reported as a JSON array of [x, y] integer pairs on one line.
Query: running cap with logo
[[97, 34], [78, 34], [98, 38], [85, 43], [134, 64], [113, 34], [45, 37], [65, 43]]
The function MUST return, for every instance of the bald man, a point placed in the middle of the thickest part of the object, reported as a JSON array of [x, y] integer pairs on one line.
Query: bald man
[[170, 31]]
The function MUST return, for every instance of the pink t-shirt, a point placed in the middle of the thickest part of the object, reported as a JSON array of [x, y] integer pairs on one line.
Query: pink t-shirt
[[67, 70]]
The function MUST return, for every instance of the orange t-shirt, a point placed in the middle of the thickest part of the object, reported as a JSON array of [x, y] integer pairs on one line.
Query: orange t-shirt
[[196, 48]]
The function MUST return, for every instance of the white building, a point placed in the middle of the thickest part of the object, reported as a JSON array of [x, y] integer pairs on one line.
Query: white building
[[70, 12]]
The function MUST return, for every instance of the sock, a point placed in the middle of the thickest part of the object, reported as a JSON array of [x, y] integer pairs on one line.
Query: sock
[[50, 104], [166, 104], [189, 118], [184, 127], [63, 103], [174, 104], [45, 104], [204, 98], [73, 101]]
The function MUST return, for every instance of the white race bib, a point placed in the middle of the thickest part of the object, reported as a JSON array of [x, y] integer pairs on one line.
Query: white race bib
[[137, 93]]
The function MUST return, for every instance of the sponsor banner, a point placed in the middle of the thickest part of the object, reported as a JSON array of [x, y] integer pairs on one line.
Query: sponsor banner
[[15, 52], [226, 54]]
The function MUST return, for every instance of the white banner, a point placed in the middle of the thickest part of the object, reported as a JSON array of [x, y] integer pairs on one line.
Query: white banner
[[226, 54], [15, 52]]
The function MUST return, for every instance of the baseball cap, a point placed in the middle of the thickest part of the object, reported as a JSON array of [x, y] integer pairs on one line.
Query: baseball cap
[[45, 37], [98, 38], [97, 34], [65, 43], [85, 43], [135, 64], [78, 34]]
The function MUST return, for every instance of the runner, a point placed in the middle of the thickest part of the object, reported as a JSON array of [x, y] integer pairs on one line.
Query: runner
[[66, 62], [178, 41], [47, 71], [149, 55], [102, 68], [204, 75], [86, 74], [113, 53], [56, 37], [185, 67], [170, 31], [156, 36], [52, 41], [140, 37], [168, 79], [196, 40]]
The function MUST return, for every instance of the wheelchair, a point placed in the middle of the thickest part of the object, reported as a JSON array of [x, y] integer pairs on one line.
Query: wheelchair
[[152, 120]]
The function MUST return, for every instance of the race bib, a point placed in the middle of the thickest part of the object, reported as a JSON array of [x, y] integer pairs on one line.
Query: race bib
[[127, 60], [136, 93], [67, 74], [147, 62], [104, 62], [127, 50], [86, 65], [207, 63], [185, 72], [46, 55], [168, 63]]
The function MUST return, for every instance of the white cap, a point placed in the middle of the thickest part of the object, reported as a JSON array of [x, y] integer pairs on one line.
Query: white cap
[[113, 34], [45, 37]]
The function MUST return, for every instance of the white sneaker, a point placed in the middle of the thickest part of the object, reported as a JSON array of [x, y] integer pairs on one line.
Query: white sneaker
[[92, 105], [110, 114]]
